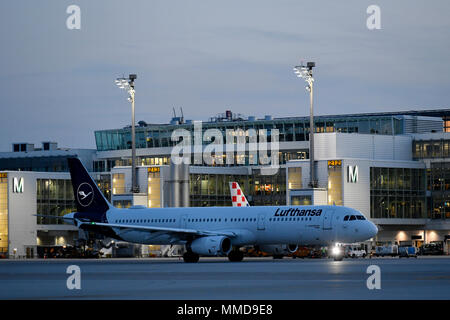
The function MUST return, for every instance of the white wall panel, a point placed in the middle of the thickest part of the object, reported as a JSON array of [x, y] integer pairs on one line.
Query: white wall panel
[[358, 146], [22, 206], [324, 146], [362, 146], [357, 195]]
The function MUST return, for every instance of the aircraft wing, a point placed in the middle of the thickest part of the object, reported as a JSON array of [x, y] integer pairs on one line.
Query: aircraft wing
[[174, 231]]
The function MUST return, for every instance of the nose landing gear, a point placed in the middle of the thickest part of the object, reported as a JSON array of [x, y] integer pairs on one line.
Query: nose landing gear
[[337, 253]]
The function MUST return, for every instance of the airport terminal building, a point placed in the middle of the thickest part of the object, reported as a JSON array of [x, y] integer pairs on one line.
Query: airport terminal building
[[393, 167]]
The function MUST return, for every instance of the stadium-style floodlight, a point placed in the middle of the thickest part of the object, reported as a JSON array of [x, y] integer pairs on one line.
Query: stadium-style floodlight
[[305, 72], [128, 84]]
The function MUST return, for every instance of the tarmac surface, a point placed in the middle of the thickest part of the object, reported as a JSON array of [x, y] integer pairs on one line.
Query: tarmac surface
[[217, 278]]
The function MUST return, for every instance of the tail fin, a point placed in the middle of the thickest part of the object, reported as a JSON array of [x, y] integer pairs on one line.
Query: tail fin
[[237, 196], [89, 199]]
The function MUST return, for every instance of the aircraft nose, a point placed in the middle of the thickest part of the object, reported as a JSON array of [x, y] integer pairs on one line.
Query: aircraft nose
[[372, 230]]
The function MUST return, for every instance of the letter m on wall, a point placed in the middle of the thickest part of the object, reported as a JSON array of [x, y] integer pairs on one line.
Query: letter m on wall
[[352, 174], [17, 185]]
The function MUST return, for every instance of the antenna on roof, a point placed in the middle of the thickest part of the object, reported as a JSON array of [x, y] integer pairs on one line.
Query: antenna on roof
[[174, 114], [182, 115]]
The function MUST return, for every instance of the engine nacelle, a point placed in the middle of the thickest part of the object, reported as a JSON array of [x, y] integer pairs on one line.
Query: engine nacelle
[[211, 246], [278, 249]]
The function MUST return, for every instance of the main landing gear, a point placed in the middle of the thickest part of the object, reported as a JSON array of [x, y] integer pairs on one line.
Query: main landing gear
[[236, 255], [190, 257]]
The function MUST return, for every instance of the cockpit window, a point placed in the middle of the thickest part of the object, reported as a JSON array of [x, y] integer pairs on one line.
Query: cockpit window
[[346, 218], [360, 218], [352, 218]]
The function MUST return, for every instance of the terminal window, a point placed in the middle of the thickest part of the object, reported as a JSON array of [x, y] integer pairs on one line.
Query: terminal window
[[335, 184], [118, 185], [397, 193], [301, 200], [55, 198], [295, 178]]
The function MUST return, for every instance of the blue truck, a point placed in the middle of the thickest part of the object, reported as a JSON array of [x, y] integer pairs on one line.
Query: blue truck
[[407, 252]]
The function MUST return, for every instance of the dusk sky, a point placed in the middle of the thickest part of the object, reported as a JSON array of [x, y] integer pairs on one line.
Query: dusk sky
[[58, 85]]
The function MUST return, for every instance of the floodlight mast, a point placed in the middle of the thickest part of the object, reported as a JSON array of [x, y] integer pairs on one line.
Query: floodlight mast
[[128, 84], [305, 72]]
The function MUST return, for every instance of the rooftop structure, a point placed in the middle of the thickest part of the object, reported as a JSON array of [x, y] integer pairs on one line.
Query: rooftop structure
[[291, 129]]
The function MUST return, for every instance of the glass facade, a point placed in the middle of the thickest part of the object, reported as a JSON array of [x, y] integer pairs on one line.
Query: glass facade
[[40, 164], [107, 165], [104, 184], [4, 234], [122, 203], [261, 190], [397, 193], [438, 177], [428, 149], [290, 129], [208, 190], [446, 123], [335, 182], [118, 185], [154, 188], [301, 200], [295, 178], [54, 198], [268, 190]]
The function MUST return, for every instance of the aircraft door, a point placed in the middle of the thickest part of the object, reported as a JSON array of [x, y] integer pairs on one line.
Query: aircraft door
[[329, 230], [328, 219], [261, 221]]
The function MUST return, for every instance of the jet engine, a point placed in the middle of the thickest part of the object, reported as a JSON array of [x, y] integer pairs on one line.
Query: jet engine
[[211, 246], [279, 249]]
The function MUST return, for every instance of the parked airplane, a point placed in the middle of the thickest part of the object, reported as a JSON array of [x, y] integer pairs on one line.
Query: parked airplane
[[213, 231]]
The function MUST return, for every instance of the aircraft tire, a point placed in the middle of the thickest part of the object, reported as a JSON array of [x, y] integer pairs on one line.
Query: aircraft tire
[[190, 257], [235, 256]]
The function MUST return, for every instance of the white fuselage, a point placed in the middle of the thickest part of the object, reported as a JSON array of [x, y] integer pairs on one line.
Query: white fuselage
[[307, 225]]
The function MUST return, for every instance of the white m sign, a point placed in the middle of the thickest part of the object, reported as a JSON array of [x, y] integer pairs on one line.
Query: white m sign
[[352, 174], [17, 185]]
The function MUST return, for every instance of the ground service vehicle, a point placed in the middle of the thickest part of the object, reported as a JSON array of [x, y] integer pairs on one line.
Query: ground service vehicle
[[432, 249], [407, 252], [383, 251], [302, 252], [355, 252]]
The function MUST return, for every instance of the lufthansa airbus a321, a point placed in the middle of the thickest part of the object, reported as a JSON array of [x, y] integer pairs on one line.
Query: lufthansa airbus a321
[[214, 231]]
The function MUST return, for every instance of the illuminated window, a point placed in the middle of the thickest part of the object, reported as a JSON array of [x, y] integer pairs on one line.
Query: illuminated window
[[154, 188], [118, 185], [295, 178], [4, 214]]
